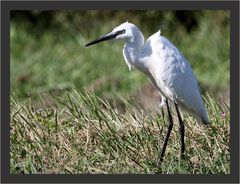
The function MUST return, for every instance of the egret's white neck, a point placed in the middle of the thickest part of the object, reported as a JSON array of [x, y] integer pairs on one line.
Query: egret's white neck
[[132, 49]]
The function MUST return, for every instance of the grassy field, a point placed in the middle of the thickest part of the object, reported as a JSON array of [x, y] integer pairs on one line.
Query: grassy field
[[81, 133], [47, 59], [78, 110]]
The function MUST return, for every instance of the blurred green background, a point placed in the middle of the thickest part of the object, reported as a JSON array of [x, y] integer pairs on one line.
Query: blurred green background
[[48, 53]]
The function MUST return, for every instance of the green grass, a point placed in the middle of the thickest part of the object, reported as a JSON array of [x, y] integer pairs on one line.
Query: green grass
[[55, 60], [54, 63], [82, 133]]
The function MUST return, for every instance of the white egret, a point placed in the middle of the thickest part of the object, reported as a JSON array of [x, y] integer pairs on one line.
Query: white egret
[[167, 69]]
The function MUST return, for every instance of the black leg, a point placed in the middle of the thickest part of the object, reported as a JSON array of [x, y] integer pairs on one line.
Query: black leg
[[181, 129], [168, 132]]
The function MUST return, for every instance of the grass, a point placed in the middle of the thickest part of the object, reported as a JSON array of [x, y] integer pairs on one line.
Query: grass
[[82, 133], [55, 60]]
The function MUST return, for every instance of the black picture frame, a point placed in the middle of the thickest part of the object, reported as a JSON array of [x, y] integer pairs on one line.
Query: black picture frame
[[7, 6]]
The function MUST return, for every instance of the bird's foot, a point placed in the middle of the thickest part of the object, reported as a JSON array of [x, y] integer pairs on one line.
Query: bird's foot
[[182, 156], [160, 160], [159, 163]]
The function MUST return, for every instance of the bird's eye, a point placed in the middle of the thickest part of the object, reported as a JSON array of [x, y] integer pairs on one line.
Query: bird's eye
[[120, 32]]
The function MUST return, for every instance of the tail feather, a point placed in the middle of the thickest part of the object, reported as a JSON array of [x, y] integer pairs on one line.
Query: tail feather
[[203, 119], [200, 115]]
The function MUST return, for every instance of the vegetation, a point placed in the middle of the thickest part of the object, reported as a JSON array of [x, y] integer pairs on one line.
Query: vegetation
[[82, 133], [78, 110]]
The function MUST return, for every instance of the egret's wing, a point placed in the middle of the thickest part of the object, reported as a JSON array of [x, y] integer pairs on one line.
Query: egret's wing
[[175, 77]]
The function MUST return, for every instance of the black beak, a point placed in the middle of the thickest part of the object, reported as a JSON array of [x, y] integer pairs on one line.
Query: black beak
[[106, 37]]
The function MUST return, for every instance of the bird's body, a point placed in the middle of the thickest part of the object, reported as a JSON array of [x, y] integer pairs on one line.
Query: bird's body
[[167, 69]]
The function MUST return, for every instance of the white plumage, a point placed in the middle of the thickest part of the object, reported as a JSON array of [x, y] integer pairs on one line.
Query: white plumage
[[166, 67]]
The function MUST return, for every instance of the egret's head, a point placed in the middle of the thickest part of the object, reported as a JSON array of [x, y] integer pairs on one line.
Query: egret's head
[[125, 31]]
